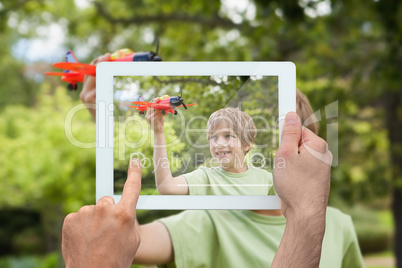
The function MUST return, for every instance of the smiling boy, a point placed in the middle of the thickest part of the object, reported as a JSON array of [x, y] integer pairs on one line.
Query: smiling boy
[[230, 134]]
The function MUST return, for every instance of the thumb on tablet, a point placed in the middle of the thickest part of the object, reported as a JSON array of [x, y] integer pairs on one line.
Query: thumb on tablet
[[291, 134], [132, 187]]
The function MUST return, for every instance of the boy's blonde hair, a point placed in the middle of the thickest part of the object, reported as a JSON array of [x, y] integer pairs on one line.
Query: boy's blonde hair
[[304, 110], [239, 122]]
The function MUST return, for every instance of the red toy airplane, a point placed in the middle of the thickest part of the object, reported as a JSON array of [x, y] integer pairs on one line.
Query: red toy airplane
[[165, 103], [74, 71]]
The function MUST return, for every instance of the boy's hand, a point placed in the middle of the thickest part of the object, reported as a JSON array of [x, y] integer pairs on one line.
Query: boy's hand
[[155, 119], [104, 235], [88, 93], [302, 170]]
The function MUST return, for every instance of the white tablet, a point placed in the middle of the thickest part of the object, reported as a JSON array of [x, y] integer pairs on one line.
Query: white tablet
[[266, 91]]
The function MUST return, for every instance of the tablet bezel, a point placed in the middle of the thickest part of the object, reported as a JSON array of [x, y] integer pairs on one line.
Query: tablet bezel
[[286, 73]]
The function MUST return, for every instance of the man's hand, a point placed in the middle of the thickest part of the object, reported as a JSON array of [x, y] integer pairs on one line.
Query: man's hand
[[302, 180], [88, 93], [155, 119], [302, 169], [104, 235]]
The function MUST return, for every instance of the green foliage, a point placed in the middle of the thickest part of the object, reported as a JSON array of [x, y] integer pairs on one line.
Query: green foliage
[[41, 166], [42, 169]]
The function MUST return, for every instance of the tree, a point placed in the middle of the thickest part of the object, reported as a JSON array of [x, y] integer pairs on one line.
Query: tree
[[42, 171]]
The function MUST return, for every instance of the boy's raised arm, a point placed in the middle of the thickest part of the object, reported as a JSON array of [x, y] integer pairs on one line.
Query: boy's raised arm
[[165, 182], [88, 93], [156, 245]]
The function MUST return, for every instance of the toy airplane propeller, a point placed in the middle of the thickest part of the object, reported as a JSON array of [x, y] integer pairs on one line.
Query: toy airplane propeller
[[165, 103], [75, 71]]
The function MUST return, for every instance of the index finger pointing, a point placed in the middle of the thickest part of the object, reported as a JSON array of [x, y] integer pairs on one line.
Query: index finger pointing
[[132, 187]]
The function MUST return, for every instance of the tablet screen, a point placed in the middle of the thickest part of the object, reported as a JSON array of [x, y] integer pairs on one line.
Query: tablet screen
[[188, 146]]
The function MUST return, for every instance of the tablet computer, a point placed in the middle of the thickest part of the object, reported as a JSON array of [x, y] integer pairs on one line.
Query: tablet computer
[[266, 91]]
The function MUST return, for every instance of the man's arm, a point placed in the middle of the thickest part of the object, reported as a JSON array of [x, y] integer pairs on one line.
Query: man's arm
[[165, 182], [302, 181], [301, 242]]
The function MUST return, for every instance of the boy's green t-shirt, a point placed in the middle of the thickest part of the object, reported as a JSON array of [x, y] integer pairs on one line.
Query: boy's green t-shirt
[[216, 181], [234, 238]]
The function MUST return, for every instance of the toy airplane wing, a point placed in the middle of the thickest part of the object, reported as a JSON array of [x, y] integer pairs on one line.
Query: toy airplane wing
[[152, 105], [70, 77], [63, 74], [57, 74], [77, 67], [186, 105]]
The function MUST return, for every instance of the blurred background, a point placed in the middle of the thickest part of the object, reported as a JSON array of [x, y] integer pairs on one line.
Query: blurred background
[[347, 54]]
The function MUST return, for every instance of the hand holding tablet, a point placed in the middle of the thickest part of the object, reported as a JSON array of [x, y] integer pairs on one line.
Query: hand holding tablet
[[302, 170], [305, 211]]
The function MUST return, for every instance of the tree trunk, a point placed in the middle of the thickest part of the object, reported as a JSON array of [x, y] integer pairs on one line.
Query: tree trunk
[[397, 211], [394, 125]]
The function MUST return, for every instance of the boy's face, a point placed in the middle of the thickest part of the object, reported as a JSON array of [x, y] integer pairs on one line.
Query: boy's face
[[226, 147]]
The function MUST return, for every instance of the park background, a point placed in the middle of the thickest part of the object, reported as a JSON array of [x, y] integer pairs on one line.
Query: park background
[[346, 52]]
